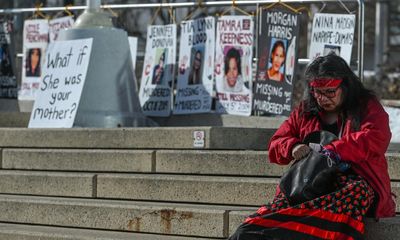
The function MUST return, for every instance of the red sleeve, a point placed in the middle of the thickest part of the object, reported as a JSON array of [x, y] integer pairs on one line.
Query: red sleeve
[[371, 141], [282, 142]]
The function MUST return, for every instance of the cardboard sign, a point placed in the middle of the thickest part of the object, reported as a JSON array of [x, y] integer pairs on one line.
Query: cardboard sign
[[234, 60], [158, 74], [196, 66], [332, 33], [278, 38], [64, 75]]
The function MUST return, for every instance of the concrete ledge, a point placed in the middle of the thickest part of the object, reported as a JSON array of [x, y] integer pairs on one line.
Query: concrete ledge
[[213, 119], [198, 189], [385, 229], [221, 162], [47, 183], [160, 218], [134, 138], [29, 232], [14, 119], [79, 160]]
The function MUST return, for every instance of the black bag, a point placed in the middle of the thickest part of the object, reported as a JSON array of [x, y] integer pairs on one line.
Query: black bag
[[312, 176]]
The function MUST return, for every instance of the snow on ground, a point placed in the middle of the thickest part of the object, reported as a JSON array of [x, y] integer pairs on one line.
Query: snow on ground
[[394, 122]]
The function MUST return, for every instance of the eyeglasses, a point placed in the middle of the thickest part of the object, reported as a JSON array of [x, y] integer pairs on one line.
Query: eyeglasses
[[329, 93]]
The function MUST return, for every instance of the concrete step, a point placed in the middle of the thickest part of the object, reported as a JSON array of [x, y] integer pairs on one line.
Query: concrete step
[[79, 160], [146, 217], [212, 119], [13, 119], [48, 183], [10, 117], [215, 162], [137, 138], [30, 232], [177, 188], [385, 229], [251, 191]]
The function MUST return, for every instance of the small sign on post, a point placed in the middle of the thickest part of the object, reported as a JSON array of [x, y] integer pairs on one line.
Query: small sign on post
[[61, 85], [199, 139]]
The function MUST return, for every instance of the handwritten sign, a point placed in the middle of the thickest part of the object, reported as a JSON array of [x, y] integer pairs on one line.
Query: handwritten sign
[[332, 33], [64, 75]]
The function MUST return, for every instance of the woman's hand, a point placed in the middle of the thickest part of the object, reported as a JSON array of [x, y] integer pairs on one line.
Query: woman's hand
[[300, 150]]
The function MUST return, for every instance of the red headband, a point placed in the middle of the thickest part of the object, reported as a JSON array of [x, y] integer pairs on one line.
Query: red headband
[[325, 82]]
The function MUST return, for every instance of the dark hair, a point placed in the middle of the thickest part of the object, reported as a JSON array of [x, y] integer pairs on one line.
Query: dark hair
[[28, 62], [278, 43], [355, 95], [233, 53]]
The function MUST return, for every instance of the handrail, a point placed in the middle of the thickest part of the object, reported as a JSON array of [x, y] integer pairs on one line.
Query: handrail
[[361, 13]]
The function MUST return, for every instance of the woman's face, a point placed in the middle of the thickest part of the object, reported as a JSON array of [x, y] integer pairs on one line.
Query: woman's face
[[328, 98], [232, 73], [197, 61], [35, 57], [278, 56]]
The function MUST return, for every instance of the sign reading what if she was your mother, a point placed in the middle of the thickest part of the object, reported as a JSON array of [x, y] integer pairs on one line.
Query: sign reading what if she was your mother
[[61, 85]]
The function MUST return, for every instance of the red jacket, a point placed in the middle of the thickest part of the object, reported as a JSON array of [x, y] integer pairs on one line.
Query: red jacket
[[364, 149]]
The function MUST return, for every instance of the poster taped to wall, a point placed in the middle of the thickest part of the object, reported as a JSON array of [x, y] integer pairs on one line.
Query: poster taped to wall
[[277, 51], [158, 73], [234, 59], [332, 33], [196, 66], [35, 40]]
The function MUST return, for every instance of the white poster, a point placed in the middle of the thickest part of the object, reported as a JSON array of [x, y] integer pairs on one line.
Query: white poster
[[35, 40], [64, 75], [55, 25], [234, 59], [158, 74], [332, 33], [133, 42], [196, 66]]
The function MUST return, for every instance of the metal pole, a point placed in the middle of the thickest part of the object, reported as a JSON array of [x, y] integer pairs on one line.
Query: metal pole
[[360, 63], [156, 5]]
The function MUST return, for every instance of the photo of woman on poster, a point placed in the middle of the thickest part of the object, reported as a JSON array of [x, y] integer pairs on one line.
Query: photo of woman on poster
[[32, 65], [195, 71], [233, 80], [5, 61], [277, 55], [158, 70]]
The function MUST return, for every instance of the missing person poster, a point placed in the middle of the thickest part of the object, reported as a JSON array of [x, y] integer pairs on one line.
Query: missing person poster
[[64, 74], [196, 66], [55, 25], [234, 59], [277, 52], [8, 82], [35, 40], [158, 73], [332, 33]]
